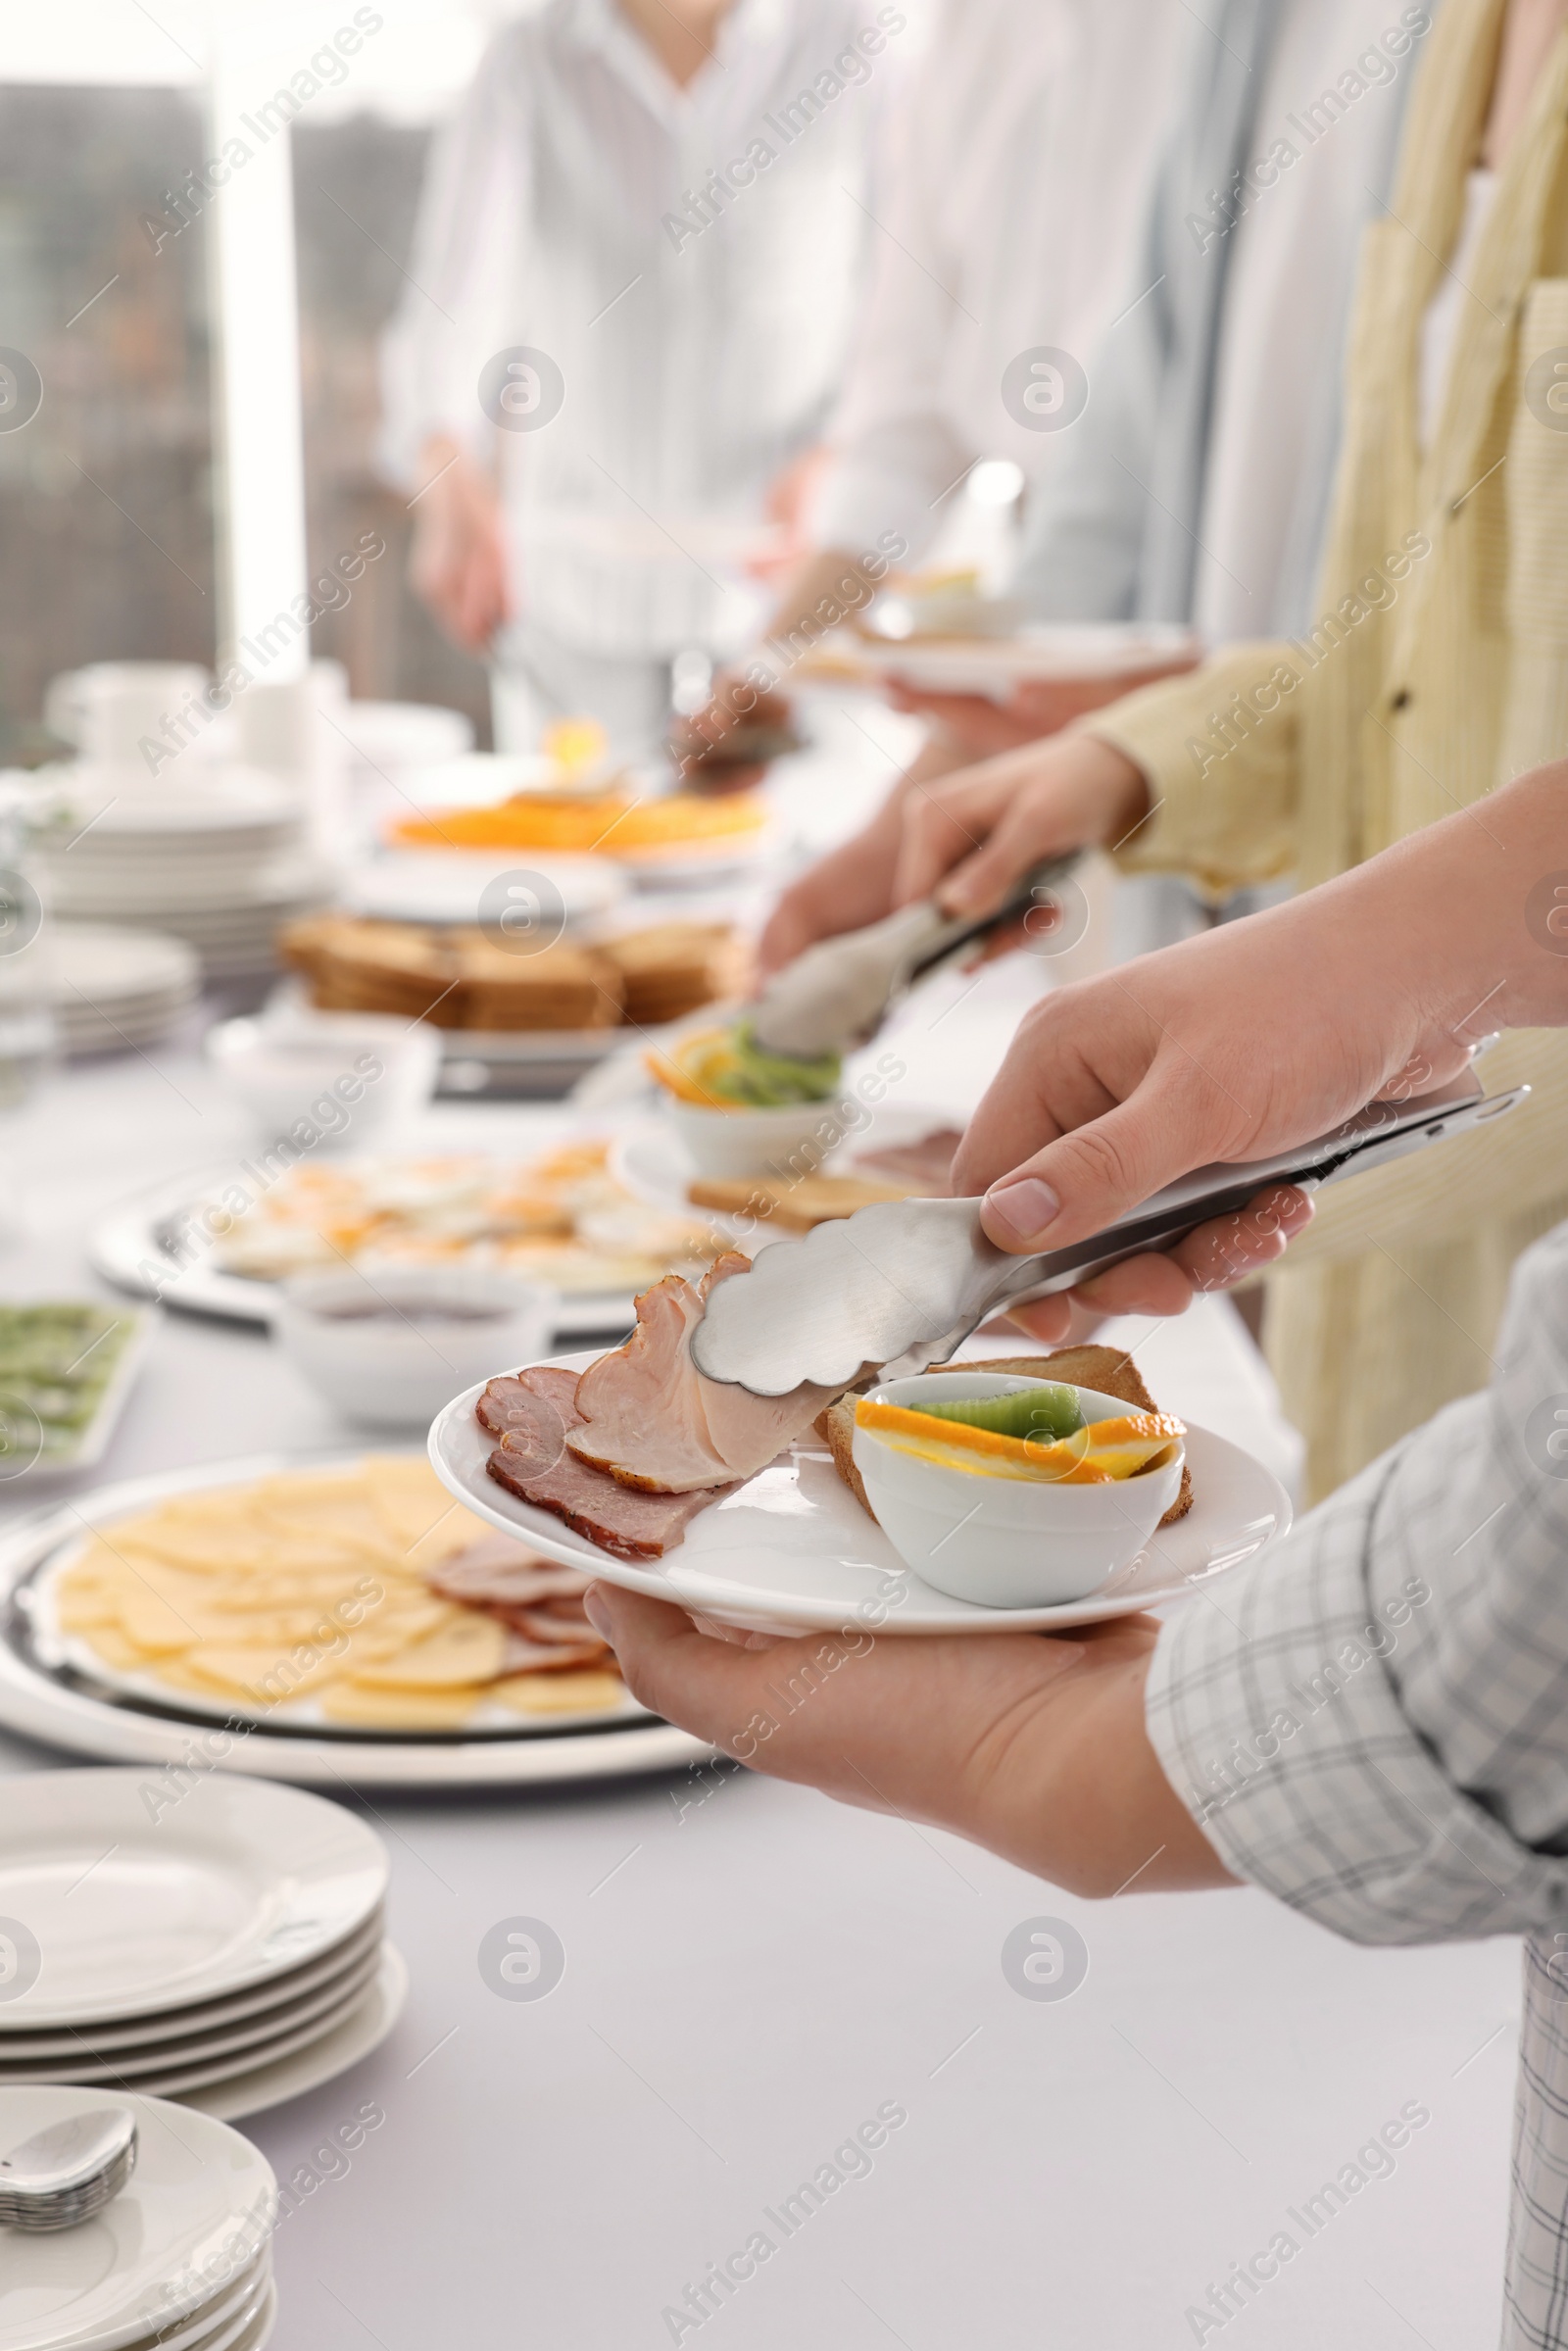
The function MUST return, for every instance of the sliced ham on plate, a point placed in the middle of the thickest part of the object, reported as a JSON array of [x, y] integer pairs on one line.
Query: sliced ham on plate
[[522, 1655], [646, 1414], [539, 1602], [628, 1453], [494, 1572], [532, 1462]]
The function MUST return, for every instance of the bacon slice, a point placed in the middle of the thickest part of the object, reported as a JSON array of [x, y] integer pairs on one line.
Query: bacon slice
[[538, 1409], [646, 1414]]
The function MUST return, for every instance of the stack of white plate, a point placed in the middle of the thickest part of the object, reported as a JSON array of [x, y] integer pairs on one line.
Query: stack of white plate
[[181, 2257], [236, 936], [219, 864], [174, 1935], [113, 988]]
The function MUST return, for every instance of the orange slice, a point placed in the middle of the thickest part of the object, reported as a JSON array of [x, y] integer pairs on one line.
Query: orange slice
[[1106, 1450]]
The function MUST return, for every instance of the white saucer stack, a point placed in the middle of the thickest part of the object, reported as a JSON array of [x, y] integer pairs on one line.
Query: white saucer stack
[[180, 2259], [220, 864], [202, 1938], [113, 988]]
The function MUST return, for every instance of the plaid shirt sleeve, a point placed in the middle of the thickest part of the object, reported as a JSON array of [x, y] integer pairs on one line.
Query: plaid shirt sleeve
[[1372, 1722]]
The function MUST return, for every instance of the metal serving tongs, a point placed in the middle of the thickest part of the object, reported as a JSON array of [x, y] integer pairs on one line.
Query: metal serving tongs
[[839, 993], [902, 1285]]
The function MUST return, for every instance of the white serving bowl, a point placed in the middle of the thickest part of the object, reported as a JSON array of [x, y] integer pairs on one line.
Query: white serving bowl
[[300, 1064], [389, 1348], [1006, 1543], [754, 1143]]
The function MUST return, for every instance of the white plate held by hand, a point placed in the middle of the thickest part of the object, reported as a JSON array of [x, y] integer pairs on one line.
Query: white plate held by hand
[[791, 1551]]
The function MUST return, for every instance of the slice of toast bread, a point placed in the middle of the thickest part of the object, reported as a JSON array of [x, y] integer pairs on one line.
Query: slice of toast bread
[[1105, 1368], [797, 1203]]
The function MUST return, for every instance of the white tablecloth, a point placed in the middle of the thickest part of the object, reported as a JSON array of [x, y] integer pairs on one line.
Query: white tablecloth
[[751, 1978]]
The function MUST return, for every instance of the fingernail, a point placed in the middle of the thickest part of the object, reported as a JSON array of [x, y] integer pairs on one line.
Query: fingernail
[[1021, 1210], [596, 1609]]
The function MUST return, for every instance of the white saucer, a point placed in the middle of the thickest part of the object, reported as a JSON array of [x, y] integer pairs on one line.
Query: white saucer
[[94, 2288], [135, 1910], [792, 1551]]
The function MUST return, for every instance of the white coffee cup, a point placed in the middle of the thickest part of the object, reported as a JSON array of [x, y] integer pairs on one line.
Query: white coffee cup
[[110, 707]]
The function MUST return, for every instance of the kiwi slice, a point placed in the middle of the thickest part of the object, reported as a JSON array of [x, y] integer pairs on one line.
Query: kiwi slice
[[1038, 1415]]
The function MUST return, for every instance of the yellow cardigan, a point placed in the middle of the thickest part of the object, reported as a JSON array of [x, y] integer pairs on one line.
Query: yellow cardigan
[[1439, 669]]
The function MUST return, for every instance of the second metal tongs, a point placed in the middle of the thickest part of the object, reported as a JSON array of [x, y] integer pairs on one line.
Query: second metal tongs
[[839, 993]]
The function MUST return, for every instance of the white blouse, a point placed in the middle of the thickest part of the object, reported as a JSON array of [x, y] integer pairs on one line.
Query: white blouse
[[699, 337], [1020, 166]]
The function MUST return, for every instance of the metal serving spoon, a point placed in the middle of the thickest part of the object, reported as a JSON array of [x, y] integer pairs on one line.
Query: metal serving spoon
[[67, 2172]]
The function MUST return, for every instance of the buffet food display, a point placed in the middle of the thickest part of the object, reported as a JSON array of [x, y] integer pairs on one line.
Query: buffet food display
[[354, 1595], [65, 1371], [561, 1219], [618, 822], [457, 977]]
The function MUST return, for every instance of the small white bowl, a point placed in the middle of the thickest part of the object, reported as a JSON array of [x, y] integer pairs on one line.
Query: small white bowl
[[350, 1075], [758, 1143], [389, 1348], [1006, 1543]]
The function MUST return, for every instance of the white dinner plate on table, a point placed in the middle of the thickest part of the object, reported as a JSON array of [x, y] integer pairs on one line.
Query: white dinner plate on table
[[209, 2016], [792, 1551], [196, 2186], [198, 2055], [234, 1883], [307, 2042], [365, 2029]]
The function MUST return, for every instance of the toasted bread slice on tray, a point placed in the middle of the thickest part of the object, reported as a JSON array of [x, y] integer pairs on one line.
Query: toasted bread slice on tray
[[1103, 1369], [797, 1203]]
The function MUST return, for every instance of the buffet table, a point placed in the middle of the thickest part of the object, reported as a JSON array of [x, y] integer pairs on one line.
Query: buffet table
[[752, 1973]]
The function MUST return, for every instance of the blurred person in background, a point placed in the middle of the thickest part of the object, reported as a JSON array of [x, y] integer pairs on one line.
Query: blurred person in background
[[635, 275], [1196, 483], [1019, 162], [1434, 670]]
